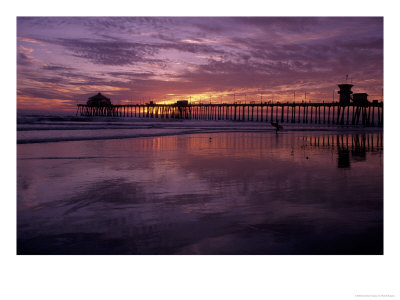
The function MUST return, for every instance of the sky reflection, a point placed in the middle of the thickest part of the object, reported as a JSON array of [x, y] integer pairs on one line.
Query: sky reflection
[[192, 194]]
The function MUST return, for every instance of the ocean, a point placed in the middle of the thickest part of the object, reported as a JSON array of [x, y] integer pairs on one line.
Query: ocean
[[150, 186]]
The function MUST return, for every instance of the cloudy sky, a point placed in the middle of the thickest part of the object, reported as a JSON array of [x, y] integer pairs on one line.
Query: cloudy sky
[[63, 61]]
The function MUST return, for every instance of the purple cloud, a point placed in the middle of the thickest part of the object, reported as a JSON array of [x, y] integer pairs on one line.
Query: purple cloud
[[156, 57]]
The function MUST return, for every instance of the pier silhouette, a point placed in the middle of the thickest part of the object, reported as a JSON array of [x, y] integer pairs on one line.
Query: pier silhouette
[[368, 114], [351, 109]]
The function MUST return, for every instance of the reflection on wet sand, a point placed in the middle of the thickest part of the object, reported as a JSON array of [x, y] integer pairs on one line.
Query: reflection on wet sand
[[345, 144], [220, 193]]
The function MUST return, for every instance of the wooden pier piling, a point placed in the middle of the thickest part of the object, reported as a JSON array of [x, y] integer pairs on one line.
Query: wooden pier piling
[[368, 114]]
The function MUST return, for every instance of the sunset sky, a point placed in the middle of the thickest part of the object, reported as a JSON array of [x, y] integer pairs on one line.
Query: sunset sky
[[62, 61]]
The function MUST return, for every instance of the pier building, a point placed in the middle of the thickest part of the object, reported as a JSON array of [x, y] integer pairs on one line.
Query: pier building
[[349, 110]]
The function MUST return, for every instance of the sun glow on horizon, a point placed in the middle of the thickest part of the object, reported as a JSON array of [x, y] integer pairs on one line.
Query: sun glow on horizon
[[242, 60]]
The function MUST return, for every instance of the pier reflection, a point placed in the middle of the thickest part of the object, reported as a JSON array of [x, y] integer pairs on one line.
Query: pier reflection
[[349, 147], [216, 193]]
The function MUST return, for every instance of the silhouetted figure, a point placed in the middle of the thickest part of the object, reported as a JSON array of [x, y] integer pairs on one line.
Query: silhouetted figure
[[277, 126]]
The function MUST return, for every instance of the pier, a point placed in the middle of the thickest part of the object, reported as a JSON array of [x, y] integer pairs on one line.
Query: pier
[[366, 113]]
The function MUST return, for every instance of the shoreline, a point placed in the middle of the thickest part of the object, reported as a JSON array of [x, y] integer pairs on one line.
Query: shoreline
[[50, 128], [161, 132]]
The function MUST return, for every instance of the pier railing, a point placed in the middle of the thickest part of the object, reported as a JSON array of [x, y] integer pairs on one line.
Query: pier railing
[[368, 114]]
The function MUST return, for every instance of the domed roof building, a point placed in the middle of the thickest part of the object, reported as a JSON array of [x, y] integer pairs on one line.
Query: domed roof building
[[99, 100]]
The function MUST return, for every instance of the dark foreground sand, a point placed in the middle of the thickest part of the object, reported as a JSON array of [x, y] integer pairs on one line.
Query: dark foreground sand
[[209, 193]]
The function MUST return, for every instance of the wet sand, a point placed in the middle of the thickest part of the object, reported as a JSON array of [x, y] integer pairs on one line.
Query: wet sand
[[207, 193]]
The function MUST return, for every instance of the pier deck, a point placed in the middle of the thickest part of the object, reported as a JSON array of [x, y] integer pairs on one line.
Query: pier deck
[[368, 114]]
